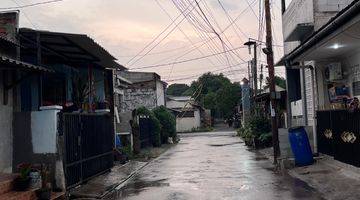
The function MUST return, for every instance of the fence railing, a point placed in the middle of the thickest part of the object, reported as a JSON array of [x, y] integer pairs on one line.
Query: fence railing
[[88, 142], [338, 135]]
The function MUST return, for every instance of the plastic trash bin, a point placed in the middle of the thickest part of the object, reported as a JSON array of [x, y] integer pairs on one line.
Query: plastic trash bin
[[118, 141], [300, 146]]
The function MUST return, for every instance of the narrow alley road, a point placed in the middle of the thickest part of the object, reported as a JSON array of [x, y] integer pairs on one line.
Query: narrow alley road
[[216, 165]]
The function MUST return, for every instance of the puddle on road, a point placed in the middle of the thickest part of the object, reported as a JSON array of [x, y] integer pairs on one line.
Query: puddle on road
[[260, 158], [316, 172], [136, 187], [221, 145]]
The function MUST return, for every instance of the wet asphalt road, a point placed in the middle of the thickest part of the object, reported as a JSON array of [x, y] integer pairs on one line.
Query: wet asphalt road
[[210, 166]]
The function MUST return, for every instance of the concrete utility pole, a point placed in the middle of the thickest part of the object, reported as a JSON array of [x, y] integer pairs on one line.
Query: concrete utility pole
[[253, 65], [270, 61]]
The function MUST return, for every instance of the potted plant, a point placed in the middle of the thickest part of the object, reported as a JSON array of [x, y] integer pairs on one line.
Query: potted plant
[[44, 193], [22, 182]]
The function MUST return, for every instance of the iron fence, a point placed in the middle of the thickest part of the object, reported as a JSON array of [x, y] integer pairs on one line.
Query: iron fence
[[88, 142]]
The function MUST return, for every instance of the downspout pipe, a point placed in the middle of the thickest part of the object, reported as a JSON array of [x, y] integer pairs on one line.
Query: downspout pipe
[[342, 18], [283, 6]]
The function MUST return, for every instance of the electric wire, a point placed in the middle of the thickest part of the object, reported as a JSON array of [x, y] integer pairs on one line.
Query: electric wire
[[29, 5]]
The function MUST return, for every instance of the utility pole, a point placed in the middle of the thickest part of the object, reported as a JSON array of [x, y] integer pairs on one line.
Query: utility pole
[[255, 70], [270, 61]]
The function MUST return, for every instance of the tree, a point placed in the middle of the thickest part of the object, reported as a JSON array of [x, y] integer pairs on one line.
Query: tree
[[217, 93], [177, 89], [227, 99], [279, 81]]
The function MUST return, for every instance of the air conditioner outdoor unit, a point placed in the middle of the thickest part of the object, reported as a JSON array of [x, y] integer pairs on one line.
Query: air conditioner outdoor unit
[[333, 72]]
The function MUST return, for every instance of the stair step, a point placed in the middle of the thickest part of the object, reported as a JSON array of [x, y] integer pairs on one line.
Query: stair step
[[14, 195], [6, 183]]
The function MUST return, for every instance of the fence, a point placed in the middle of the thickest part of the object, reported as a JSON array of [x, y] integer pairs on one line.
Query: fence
[[89, 142], [146, 131], [338, 135]]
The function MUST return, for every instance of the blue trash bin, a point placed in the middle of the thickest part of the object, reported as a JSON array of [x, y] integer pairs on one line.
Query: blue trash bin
[[300, 146], [118, 141]]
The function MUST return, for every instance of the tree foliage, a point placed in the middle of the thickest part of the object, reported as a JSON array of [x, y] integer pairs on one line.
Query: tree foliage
[[279, 81], [177, 89], [168, 123], [216, 92]]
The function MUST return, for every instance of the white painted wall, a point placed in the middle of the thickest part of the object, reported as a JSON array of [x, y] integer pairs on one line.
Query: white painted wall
[[298, 12], [318, 12], [44, 131], [177, 104], [6, 131], [186, 124], [160, 93]]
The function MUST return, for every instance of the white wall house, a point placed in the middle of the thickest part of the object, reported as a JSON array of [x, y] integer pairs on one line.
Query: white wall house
[[188, 114], [307, 57]]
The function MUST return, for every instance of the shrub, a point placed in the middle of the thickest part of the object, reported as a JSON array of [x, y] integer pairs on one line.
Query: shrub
[[156, 126], [168, 123], [257, 130]]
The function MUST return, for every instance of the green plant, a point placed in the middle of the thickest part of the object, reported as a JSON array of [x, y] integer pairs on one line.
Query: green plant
[[24, 170], [128, 151], [256, 131], [168, 123], [45, 173], [156, 126], [265, 138]]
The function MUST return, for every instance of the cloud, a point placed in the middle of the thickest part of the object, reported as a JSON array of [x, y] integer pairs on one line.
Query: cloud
[[125, 26]]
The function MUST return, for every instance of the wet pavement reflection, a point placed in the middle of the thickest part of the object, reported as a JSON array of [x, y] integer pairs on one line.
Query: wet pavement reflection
[[210, 166]]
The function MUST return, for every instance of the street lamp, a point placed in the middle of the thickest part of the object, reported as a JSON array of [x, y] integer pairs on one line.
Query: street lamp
[[251, 43]]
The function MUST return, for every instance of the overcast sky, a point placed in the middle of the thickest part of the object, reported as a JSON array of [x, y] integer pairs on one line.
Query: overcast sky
[[124, 27]]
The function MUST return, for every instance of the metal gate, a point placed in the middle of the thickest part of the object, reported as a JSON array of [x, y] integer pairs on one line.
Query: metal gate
[[145, 126], [89, 142], [339, 135]]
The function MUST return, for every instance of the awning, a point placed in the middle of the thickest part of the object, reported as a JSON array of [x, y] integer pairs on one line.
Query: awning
[[11, 64], [74, 47], [324, 43]]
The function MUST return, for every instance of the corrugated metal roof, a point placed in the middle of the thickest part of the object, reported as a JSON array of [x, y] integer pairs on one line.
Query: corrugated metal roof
[[10, 63], [75, 46]]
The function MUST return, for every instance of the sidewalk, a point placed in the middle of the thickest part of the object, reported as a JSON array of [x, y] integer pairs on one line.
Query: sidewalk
[[333, 179]]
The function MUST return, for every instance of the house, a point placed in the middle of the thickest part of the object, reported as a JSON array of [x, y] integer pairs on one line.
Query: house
[[12, 73], [146, 89], [322, 64], [263, 101], [188, 113], [64, 117], [121, 116]]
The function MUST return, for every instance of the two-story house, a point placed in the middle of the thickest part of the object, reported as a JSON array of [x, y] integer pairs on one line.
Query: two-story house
[[321, 40]]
